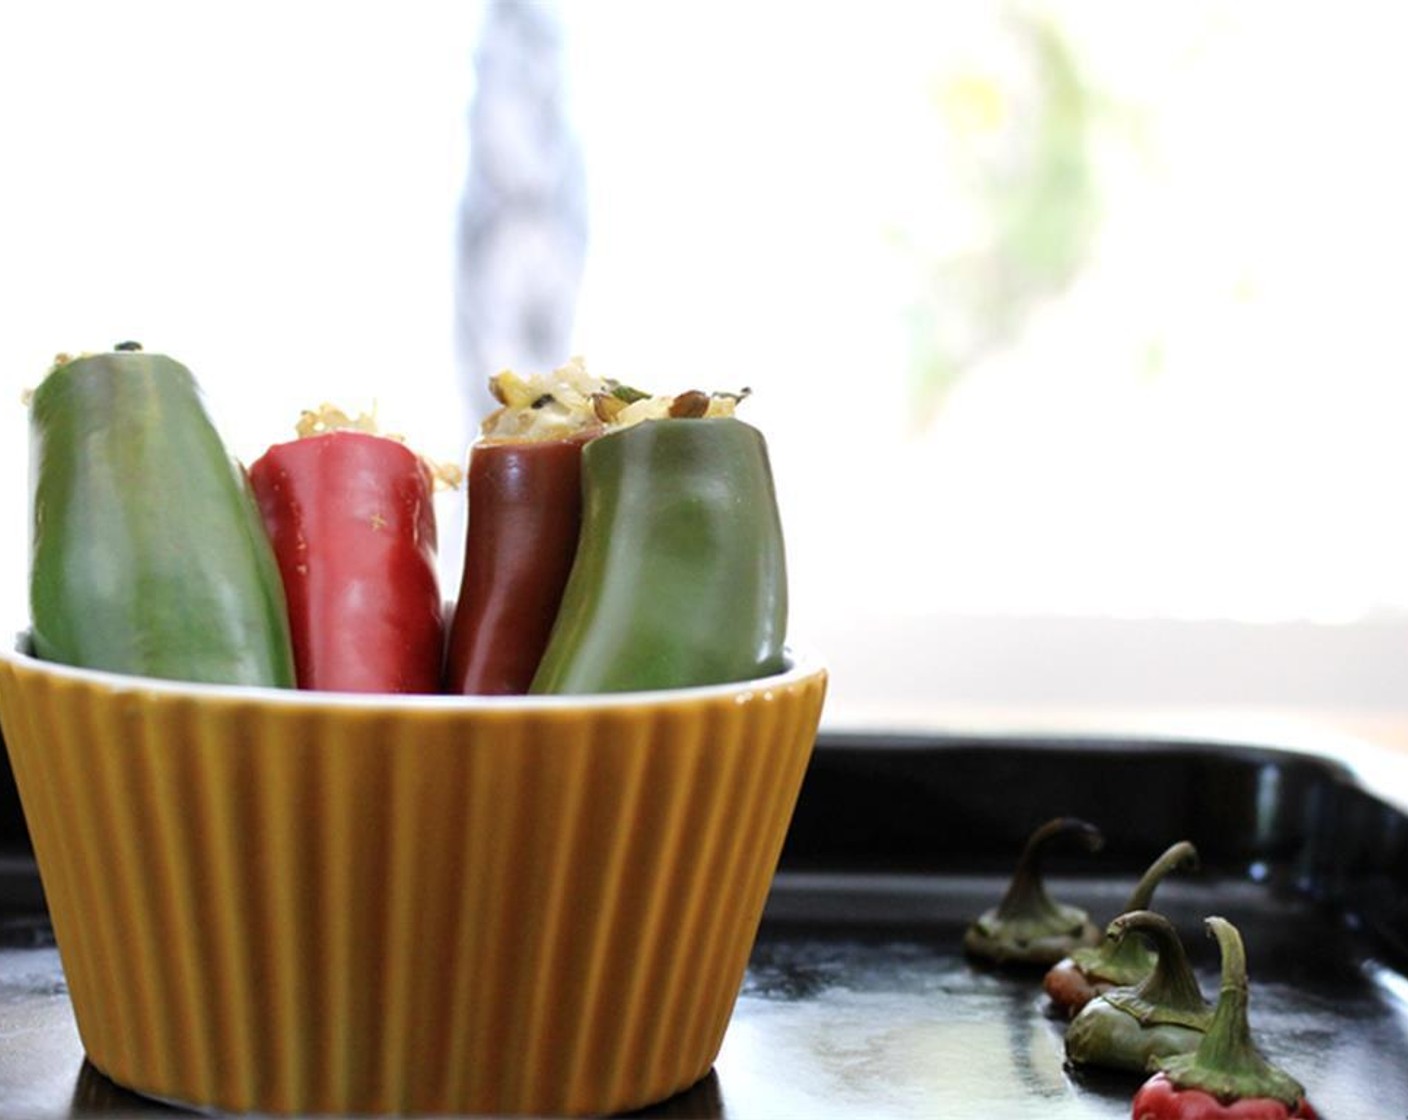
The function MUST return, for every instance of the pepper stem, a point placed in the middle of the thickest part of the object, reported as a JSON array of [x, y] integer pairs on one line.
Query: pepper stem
[[1227, 1063], [1026, 899], [1127, 960], [1182, 854], [1028, 926], [1170, 992]]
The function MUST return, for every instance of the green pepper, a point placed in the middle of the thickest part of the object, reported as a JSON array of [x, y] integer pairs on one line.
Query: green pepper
[[1115, 962], [1164, 1014], [1029, 927], [679, 577], [148, 555]]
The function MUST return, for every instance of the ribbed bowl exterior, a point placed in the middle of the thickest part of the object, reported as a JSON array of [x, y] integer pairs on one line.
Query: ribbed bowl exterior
[[316, 905]]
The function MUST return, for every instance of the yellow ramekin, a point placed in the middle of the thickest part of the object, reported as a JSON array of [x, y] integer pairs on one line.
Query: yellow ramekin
[[287, 902]]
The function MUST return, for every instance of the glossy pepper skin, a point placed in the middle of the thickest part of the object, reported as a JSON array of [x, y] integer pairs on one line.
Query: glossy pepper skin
[[1225, 1077], [353, 526], [1160, 1099], [1028, 927], [1132, 1028], [1116, 962], [525, 513], [680, 576], [148, 556]]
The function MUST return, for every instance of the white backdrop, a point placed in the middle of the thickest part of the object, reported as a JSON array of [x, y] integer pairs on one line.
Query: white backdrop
[[267, 191]]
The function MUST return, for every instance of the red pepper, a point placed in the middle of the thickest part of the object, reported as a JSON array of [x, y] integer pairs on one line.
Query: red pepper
[[353, 526], [1160, 1099], [525, 512], [1225, 1078]]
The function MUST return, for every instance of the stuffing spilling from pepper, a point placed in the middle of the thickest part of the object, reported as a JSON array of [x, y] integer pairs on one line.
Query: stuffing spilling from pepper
[[616, 540], [569, 400], [1132, 997]]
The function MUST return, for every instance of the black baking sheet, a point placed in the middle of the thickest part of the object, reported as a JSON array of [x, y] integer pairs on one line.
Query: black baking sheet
[[858, 1002]]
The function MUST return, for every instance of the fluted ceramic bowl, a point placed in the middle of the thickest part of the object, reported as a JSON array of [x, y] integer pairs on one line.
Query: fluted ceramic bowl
[[287, 902]]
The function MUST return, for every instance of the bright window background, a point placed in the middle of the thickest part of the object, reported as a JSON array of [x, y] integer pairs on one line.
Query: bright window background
[[1074, 328]]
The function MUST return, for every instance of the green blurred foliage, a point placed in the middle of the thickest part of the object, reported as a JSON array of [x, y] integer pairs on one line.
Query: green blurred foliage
[[1018, 143]]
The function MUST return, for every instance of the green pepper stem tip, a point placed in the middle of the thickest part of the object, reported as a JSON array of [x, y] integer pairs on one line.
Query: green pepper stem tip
[[1227, 1063]]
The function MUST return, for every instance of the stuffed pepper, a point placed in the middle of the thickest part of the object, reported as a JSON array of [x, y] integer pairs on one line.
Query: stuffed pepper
[[680, 574], [523, 488], [352, 522], [148, 555]]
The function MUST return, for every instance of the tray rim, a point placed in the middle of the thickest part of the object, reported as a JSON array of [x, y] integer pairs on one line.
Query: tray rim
[[1353, 760]]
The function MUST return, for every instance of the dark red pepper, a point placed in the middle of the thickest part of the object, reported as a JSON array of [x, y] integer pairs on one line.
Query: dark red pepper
[[1225, 1078], [351, 518], [525, 513]]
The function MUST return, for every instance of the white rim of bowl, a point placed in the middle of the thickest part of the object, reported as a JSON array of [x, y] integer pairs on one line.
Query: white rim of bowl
[[800, 666]]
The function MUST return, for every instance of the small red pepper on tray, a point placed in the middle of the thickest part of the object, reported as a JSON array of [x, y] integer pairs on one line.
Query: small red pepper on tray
[[1226, 1077], [351, 518]]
